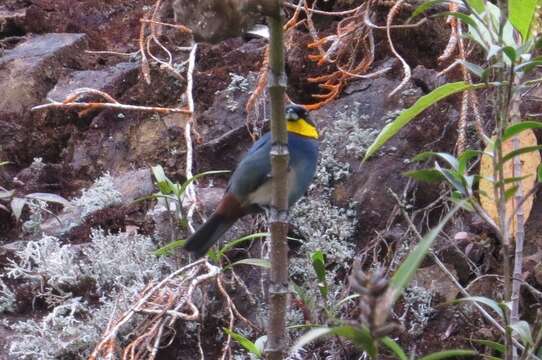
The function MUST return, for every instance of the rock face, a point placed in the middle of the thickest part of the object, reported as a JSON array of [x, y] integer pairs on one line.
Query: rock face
[[26, 74]]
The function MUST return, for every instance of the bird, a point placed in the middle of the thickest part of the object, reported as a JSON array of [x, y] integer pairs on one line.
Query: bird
[[249, 187]]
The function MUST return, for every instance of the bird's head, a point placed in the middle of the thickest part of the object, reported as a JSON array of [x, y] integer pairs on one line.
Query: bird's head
[[299, 122]]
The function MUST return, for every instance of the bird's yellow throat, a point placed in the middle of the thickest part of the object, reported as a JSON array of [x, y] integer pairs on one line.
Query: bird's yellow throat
[[303, 128]]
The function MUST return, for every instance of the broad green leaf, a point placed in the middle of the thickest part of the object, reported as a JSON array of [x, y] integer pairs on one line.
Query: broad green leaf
[[521, 14], [408, 268], [446, 354], [264, 263], [477, 5], [166, 250], [490, 344], [394, 348], [244, 342], [319, 267], [427, 175], [484, 301], [510, 52], [523, 330], [523, 150], [424, 7], [519, 127], [49, 198], [421, 104]]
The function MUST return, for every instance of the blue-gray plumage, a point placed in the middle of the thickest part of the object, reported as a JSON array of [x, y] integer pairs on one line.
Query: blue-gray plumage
[[249, 188]]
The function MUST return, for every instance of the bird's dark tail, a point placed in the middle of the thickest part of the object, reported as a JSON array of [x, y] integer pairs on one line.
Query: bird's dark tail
[[208, 234], [226, 214]]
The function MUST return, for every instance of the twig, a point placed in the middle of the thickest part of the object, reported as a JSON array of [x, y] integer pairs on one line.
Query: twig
[[406, 67]]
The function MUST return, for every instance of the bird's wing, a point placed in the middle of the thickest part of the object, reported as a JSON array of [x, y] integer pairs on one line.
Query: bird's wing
[[253, 170]]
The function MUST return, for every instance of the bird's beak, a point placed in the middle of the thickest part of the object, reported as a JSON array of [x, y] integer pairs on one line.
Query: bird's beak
[[291, 115]]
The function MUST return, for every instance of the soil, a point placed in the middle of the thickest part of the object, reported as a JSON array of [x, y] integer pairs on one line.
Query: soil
[[48, 58]]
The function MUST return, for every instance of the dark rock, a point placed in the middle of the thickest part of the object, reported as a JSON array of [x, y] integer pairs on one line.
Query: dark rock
[[11, 22], [27, 72], [113, 80], [437, 281]]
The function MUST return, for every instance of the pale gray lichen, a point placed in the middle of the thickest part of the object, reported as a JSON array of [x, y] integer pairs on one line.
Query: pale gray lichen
[[121, 263], [417, 308], [238, 83], [100, 195], [37, 209], [46, 259], [8, 300]]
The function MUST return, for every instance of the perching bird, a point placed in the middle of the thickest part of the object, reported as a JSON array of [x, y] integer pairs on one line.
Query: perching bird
[[249, 188]]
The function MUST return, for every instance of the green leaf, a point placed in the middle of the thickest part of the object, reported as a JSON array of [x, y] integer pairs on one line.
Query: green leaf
[[245, 343], [311, 336], [523, 330], [408, 268], [484, 301], [264, 263], [453, 178], [49, 198], [463, 17], [5, 195], [167, 250], [529, 65], [427, 175], [319, 266], [4, 163], [446, 354], [523, 150], [464, 159], [230, 245], [394, 347], [521, 14], [490, 344], [473, 68], [540, 173], [519, 127], [162, 181], [421, 104], [477, 5], [197, 176], [509, 193], [450, 159], [360, 336], [424, 7], [510, 52], [17, 204]]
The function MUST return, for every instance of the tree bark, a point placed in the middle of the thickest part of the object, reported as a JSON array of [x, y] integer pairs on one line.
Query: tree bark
[[278, 287]]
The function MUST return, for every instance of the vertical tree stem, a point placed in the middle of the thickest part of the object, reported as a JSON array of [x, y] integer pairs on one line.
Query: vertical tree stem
[[278, 287]]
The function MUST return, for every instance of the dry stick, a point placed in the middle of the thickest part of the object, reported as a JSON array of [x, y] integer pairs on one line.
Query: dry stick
[[145, 68], [406, 68], [229, 306], [278, 287], [97, 105], [191, 189], [515, 117]]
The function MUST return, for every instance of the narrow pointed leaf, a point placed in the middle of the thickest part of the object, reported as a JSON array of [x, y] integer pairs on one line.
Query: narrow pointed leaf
[[477, 5], [311, 336], [200, 175], [49, 198], [524, 150], [167, 250], [523, 330], [519, 127], [319, 267], [408, 268], [421, 104], [427, 175], [17, 204], [424, 7], [394, 348], [473, 68], [244, 342], [490, 344], [264, 263], [450, 159], [230, 245], [447, 354], [484, 301], [360, 337]]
